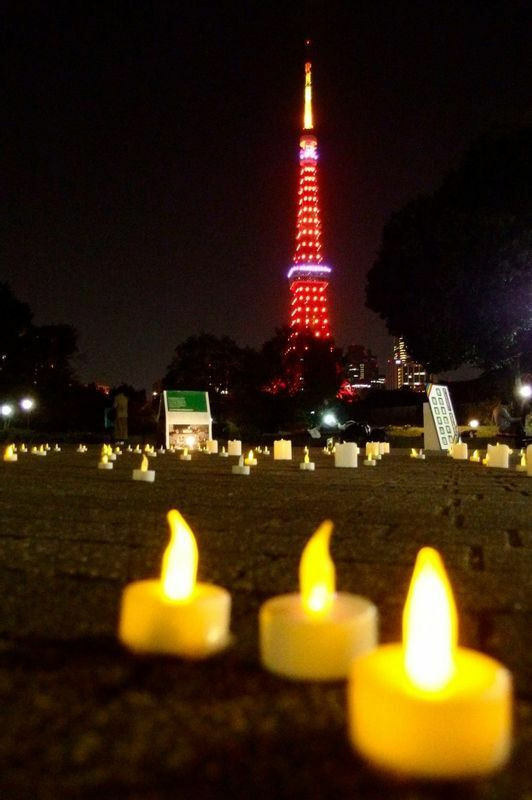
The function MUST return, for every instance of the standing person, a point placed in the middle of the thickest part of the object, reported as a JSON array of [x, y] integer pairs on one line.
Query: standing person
[[120, 405]]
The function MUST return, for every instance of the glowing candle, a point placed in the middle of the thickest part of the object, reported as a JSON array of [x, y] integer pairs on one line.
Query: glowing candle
[[9, 453], [23, 448], [212, 446], [234, 447], [307, 465], [240, 468], [373, 451], [176, 615], [185, 455], [521, 467], [384, 448], [38, 451], [498, 456], [427, 707], [251, 461], [346, 455], [57, 449], [459, 451], [475, 458], [282, 450], [419, 454], [316, 633], [144, 474], [104, 462], [224, 453]]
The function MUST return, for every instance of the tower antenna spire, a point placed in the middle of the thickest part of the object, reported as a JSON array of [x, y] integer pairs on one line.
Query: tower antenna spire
[[307, 116]]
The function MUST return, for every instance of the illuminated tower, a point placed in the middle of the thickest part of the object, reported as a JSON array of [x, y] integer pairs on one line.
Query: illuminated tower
[[308, 275]]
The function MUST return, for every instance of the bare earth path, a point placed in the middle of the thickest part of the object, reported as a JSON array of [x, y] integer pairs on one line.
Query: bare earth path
[[82, 718]]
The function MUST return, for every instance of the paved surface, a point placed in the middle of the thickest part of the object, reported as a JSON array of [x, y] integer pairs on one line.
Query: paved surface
[[82, 718]]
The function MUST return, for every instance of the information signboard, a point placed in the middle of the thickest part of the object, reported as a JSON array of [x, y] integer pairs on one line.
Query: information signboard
[[440, 428], [187, 418]]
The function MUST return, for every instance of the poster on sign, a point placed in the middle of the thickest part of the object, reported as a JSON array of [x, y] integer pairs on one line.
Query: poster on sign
[[187, 419], [439, 422]]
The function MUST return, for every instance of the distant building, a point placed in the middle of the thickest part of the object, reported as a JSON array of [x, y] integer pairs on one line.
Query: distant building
[[404, 371], [361, 371]]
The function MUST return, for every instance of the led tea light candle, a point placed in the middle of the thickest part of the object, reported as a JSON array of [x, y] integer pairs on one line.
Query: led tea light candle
[[346, 455], [428, 708], [267, 451], [104, 463], [38, 451], [23, 448], [316, 633], [498, 456], [282, 450], [10, 454], [384, 448], [176, 615], [307, 465], [212, 446], [240, 468], [373, 451], [144, 474], [234, 447], [417, 454], [250, 461], [521, 467], [475, 458], [57, 449], [223, 453], [137, 449], [185, 455]]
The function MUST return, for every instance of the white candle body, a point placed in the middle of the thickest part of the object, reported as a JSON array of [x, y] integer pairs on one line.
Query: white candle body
[[459, 451], [212, 446], [499, 455], [196, 628], [105, 465], [234, 447], [298, 646], [12, 457], [308, 466], [185, 457], [147, 475], [459, 732], [384, 448], [346, 455], [282, 450], [370, 462]]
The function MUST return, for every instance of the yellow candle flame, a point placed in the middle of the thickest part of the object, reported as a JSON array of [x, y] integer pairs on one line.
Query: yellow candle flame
[[251, 456], [317, 576], [144, 464], [306, 458], [185, 451], [523, 460], [9, 452], [413, 454], [430, 624], [180, 560], [475, 455]]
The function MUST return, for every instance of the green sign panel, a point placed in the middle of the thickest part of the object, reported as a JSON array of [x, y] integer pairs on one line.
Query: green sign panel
[[186, 401]]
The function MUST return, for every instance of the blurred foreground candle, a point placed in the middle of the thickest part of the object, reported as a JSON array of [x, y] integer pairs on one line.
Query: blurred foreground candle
[[212, 446], [175, 615], [9, 453], [104, 463], [316, 633], [282, 450], [498, 456], [346, 455], [240, 468], [144, 474], [234, 447], [428, 708]]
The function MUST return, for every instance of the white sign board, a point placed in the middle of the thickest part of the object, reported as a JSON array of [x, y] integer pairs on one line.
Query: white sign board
[[440, 428], [187, 419]]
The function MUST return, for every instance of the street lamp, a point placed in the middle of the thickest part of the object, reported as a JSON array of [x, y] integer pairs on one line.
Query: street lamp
[[26, 405], [525, 391], [6, 410]]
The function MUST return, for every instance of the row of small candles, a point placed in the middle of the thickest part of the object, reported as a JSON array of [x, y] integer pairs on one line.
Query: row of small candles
[[497, 455], [424, 707]]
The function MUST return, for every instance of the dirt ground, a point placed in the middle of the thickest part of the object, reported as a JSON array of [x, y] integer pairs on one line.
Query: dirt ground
[[83, 718]]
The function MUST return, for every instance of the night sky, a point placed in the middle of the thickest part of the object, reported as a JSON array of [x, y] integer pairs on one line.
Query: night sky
[[151, 155]]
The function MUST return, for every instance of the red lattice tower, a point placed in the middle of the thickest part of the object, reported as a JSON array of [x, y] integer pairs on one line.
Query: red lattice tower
[[308, 275]]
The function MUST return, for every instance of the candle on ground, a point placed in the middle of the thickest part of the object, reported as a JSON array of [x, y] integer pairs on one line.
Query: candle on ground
[[104, 463], [521, 467], [212, 446], [38, 451], [498, 456], [417, 454], [240, 468], [315, 634], [144, 474], [23, 448], [426, 707], [176, 615], [234, 447], [307, 465], [224, 453], [384, 448], [185, 455], [282, 450], [9, 453], [459, 451], [475, 458], [346, 455], [251, 461]]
